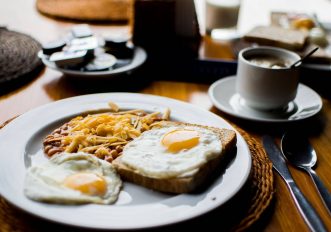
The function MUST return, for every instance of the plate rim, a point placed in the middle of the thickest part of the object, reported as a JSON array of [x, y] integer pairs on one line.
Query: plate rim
[[242, 182], [211, 93]]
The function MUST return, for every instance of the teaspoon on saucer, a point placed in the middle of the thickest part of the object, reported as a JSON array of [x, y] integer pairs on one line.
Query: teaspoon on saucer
[[304, 57]]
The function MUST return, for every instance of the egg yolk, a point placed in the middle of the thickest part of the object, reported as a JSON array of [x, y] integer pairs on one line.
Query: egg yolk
[[87, 183], [177, 140]]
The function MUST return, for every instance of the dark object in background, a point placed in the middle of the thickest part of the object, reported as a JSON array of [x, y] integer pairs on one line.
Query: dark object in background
[[119, 47], [19, 62], [53, 46], [169, 32]]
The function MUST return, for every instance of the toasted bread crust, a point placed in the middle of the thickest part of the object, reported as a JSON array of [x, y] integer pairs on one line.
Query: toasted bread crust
[[181, 184], [277, 36]]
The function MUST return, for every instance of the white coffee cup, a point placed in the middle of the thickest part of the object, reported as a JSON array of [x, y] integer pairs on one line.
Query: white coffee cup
[[262, 82]]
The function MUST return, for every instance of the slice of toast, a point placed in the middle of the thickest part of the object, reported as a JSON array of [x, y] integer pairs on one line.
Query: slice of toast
[[277, 36], [181, 184]]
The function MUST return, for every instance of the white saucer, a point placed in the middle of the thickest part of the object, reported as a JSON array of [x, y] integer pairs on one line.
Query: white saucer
[[223, 95]]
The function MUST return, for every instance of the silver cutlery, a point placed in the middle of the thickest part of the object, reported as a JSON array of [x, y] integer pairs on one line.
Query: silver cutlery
[[306, 210], [304, 57], [300, 153]]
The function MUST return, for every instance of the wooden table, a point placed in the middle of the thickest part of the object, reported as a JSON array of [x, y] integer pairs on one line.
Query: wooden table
[[50, 85]]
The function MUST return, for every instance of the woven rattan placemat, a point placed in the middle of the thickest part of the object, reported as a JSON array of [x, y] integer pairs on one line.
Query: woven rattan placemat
[[18, 57], [260, 189], [87, 10]]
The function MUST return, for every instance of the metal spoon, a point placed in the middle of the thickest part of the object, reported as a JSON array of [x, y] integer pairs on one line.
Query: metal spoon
[[304, 57], [299, 152]]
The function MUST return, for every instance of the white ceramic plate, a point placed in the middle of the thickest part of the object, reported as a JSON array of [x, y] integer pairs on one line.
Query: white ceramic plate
[[306, 104], [137, 207], [139, 57]]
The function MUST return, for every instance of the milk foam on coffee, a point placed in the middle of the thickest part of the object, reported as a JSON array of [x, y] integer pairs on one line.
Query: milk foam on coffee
[[269, 61]]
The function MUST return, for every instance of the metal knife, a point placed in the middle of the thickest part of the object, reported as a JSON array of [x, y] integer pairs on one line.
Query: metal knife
[[279, 164]]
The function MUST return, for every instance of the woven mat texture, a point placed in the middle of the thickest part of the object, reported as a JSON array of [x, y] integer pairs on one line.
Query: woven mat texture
[[18, 56]]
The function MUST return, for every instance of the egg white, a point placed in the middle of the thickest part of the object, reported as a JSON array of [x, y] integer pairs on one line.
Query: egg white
[[147, 156], [44, 182]]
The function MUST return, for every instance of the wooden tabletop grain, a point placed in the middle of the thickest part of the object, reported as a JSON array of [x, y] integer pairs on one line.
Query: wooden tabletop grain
[[50, 85]]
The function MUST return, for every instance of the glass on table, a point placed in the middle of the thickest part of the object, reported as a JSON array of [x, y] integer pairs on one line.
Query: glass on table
[[222, 18]]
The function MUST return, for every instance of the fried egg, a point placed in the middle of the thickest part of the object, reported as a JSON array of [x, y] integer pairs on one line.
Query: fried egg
[[73, 179], [171, 151]]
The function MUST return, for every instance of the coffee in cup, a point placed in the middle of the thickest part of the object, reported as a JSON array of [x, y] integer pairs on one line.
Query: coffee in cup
[[268, 61], [265, 80]]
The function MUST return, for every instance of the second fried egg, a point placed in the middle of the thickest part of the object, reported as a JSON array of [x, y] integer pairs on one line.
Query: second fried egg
[[73, 179]]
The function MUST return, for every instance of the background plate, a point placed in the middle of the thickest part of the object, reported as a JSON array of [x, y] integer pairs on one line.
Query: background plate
[[139, 57], [21, 146]]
